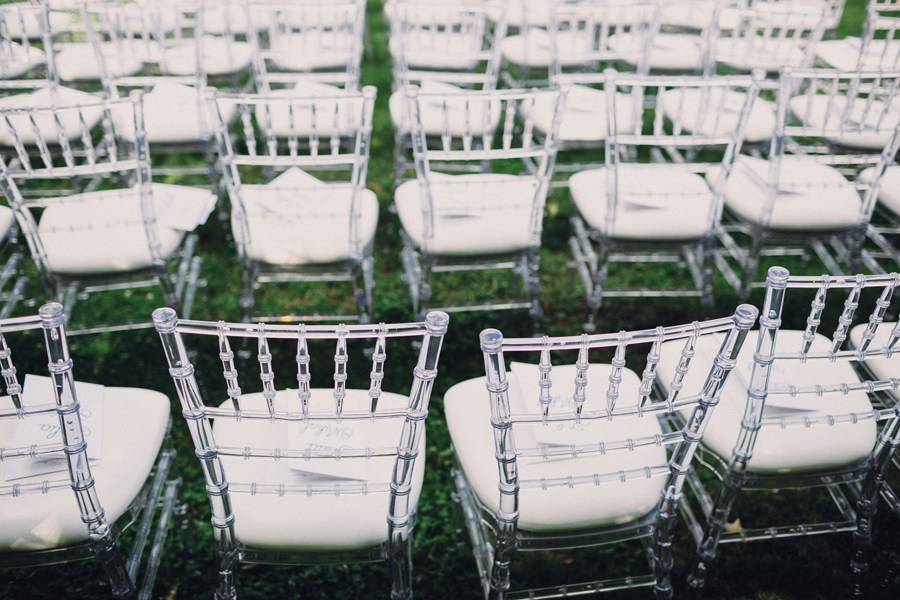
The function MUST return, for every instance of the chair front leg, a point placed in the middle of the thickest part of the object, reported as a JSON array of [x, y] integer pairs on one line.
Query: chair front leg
[[533, 283], [399, 556], [225, 589], [500, 568], [707, 270], [751, 263], [113, 565]]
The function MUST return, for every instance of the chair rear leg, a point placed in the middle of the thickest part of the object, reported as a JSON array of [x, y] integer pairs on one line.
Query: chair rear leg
[[751, 264], [716, 523]]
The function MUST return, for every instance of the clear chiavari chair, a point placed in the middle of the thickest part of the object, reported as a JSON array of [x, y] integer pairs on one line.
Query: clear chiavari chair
[[24, 35], [796, 416], [442, 48], [582, 35], [658, 196], [163, 49], [814, 189], [890, 8], [478, 221], [771, 40], [878, 49], [298, 227], [308, 44], [587, 454], [92, 218], [312, 474], [68, 497]]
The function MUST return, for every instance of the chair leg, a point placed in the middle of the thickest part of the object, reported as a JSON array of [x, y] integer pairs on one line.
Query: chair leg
[[718, 519], [500, 568], [707, 267], [167, 286], [533, 283], [411, 271], [399, 555], [225, 589], [248, 283], [751, 263], [113, 564], [855, 240], [361, 293], [599, 276]]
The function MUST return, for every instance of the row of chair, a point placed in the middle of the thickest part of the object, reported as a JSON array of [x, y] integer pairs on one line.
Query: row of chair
[[551, 454]]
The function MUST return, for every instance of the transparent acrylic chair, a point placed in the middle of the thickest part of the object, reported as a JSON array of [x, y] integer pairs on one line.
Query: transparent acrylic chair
[[91, 216], [442, 48], [317, 501], [696, 14], [479, 221], [24, 34], [298, 44], [878, 49], [585, 455], [579, 35], [297, 227], [650, 202], [835, 135], [771, 40], [163, 49], [78, 509], [797, 416]]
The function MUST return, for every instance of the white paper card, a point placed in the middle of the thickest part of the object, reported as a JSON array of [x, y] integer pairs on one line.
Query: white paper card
[[330, 436], [45, 429]]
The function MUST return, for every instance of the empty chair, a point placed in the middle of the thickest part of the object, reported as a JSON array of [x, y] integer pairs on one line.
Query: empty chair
[[313, 220], [313, 40], [23, 63], [695, 14], [162, 48], [807, 192], [478, 221], [771, 40], [877, 50], [92, 217], [581, 35], [442, 48], [315, 472], [796, 416], [650, 202], [102, 469], [584, 452]]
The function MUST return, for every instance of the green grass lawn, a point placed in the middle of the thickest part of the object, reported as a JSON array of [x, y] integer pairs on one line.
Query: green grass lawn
[[444, 568]]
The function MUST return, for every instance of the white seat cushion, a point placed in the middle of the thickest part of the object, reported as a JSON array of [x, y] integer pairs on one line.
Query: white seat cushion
[[827, 114], [21, 19], [698, 14], [16, 59], [686, 106], [882, 367], [844, 54], [667, 52], [103, 232], [447, 51], [220, 57], [889, 190], [780, 450], [334, 114], [135, 422], [459, 120], [473, 214], [319, 522], [468, 413], [311, 50], [811, 195], [46, 97], [655, 202], [297, 219], [584, 117], [768, 55], [535, 49], [173, 114], [78, 61]]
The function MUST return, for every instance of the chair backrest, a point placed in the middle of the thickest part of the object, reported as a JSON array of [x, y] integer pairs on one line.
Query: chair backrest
[[693, 123], [73, 446], [771, 40], [823, 115], [304, 406], [315, 39], [23, 64], [821, 401], [890, 8], [325, 135], [69, 146], [605, 401], [452, 43], [166, 37], [486, 127], [588, 35], [880, 44]]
